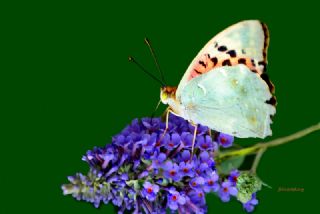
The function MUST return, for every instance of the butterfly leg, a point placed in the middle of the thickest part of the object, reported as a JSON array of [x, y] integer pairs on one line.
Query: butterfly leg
[[167, 119], [167, 124], [194, 139]]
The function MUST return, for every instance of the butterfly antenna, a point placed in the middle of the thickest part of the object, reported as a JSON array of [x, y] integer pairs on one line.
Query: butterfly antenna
[[147, 41], [131, 59]]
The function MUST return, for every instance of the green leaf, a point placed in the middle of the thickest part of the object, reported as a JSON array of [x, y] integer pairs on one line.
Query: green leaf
[[229, 164]]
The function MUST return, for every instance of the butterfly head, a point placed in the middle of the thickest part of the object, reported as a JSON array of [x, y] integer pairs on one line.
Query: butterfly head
[[167, 93]]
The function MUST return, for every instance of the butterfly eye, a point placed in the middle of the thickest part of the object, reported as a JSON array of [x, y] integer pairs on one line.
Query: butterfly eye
[[164, 95]]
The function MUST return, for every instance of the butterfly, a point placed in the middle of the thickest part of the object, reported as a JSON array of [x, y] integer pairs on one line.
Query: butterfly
[[226, 86]]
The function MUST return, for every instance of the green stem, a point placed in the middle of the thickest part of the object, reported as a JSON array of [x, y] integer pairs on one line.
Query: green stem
[[264, 146], [257, 160]]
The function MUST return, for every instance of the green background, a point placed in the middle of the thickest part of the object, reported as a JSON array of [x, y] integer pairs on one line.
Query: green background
[[67, 86]]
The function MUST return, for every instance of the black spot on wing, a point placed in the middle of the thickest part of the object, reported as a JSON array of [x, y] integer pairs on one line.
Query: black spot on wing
[[202, 63], [264, 65], [266, 40], [265, 77], [252, 62], [232, 53], [222, 48], [198, 72], [254, 70], [242, 61], [226, 62], [272, 101], [214, 60]]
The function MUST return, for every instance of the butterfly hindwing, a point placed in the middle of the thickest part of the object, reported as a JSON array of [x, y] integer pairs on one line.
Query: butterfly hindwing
[[243, 43], [230, 99]]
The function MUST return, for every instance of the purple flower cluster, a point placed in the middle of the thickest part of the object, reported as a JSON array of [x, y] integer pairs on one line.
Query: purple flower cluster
[[144, 170]]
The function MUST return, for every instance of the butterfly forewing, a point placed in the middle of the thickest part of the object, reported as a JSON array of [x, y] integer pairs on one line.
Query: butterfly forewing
[[243, 43]]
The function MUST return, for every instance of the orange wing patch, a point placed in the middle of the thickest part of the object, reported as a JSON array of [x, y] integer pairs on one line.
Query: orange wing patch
[[205, 64]]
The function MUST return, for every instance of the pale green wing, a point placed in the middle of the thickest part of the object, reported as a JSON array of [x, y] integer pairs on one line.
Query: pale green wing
[[229, 99], [246, 39]]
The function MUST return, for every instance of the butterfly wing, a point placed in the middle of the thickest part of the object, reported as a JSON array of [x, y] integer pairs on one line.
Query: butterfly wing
[[229, 99], [243, 43]]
